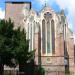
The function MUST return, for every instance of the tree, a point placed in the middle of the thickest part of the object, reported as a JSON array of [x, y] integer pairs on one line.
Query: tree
[[21, 51], [14, 45], [6, 32]]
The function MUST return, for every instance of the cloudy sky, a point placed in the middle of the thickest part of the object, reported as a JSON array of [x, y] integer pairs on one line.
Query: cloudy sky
[[57, 5]]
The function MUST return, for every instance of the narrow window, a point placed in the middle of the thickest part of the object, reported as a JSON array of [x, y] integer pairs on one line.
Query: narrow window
[[28, 32], [53, 36], [43, 37], [31, 37], [48, 17], [48, 37], [33, 34]]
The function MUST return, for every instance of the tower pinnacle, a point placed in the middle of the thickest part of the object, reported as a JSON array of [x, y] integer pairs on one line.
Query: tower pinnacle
[[45, 3]]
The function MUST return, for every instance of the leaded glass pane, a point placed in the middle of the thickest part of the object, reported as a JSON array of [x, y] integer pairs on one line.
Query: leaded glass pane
[[34, 35], [62, 19], [31, 36], [43, 37], [48, 37], [53, 36], [28, 32]]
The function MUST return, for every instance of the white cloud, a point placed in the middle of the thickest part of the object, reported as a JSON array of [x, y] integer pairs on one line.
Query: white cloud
[[70, 6], [42, 2], [2, 14]]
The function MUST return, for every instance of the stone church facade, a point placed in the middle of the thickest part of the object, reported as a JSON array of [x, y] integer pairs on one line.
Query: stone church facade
[[48, 34]]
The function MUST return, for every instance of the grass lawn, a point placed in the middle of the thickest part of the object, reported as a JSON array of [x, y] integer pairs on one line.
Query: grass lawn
[[71, 73]]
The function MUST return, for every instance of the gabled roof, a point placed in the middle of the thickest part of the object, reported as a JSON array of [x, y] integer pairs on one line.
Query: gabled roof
[[47, 7]]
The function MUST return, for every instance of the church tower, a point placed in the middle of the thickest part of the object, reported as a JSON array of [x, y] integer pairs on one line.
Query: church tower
[[17, 11]]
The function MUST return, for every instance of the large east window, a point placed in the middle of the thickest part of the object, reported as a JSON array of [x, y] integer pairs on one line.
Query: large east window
[[48, 34]]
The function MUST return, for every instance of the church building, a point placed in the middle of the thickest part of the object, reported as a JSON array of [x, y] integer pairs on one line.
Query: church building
[[48, 35]]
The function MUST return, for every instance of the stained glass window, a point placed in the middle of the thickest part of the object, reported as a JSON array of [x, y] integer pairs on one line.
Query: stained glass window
[[48, 17], [48, 37], [43, 37], [48, 34], [53, 36], [31, 32], [34, 34], [31, 36], [28, 32]]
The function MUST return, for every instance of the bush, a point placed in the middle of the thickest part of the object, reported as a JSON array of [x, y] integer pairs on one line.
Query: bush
[[41, 71], [6, 73]]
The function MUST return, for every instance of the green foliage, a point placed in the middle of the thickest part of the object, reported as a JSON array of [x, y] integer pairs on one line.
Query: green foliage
[[41, 71], [14, 48], [70, 73], [6, 73], [6, 32], [13, 44], [21, 46]]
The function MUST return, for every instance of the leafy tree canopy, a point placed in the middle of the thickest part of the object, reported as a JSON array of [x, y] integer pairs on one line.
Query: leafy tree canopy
[[13, 44]]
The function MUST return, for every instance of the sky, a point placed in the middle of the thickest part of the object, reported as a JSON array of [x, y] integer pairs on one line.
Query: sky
[[56, 5]]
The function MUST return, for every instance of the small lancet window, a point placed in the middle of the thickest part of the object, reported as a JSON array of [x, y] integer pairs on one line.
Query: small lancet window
[[53, 36], [43, 37]]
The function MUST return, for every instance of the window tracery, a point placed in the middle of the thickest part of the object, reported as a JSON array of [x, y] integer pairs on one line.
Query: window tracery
[[48, 34]]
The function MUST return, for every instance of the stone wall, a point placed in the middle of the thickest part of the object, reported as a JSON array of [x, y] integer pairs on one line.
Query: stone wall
[[15, 11]]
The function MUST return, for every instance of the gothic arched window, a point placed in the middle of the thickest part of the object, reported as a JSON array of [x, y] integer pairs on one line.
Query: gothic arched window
[[48, 36], [30, 36], [53, 36], [28, 32], [43, 37], [31, 31], [48, 17]]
